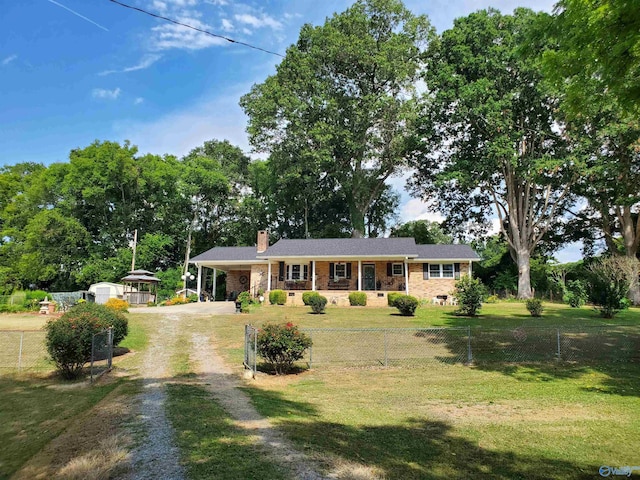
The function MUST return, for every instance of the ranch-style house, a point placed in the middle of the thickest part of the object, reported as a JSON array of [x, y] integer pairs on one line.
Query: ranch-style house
[[334, 267]]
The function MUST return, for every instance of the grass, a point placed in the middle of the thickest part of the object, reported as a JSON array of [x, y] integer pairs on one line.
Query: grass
[[496, 420], [211, 445]]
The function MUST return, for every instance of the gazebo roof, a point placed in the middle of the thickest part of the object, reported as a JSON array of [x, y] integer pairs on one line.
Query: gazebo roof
[[140, 278]]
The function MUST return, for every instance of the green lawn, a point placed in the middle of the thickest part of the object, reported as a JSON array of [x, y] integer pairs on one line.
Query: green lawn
[[496, 420]]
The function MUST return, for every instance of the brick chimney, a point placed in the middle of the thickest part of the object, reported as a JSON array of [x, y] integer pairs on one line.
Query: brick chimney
[[263, 241]]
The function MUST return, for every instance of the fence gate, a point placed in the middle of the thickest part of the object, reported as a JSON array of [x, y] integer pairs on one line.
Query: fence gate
[[251, 348], [101, 353]]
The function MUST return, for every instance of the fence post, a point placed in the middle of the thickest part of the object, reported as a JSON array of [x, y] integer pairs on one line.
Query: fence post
[[110, 346], [386, 358], [255, 351], [469, 353], [93, 341], [20, 351], [311, 350], [558, 339], [246, 346]]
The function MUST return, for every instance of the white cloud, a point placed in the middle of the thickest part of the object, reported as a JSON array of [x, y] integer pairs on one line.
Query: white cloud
[[9, 59], [105, 94], [146, 62], [263, 21], [178, 132], [227, 26], [169, 36], [138, 101], [416, 209], [160, 6]]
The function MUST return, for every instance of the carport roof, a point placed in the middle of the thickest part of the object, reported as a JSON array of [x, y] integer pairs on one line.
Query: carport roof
[[227, 254]]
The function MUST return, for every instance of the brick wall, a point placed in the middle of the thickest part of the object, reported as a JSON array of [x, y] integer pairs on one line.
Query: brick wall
[[258, 278], [427, 289], [233, 281]]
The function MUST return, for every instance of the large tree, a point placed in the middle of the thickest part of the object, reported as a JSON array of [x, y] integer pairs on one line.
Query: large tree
[[343, 103], [490, 142]]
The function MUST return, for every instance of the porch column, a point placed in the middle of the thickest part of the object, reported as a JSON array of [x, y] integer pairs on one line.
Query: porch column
[[215, 283], [313, 275], [470, 268], [269, 276], [359, 275], [199, 288], [406, 277]]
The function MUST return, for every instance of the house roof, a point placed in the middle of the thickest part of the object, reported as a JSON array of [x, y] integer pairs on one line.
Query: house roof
[[224, 254], [342, 247], [334, 248], [446, 252]]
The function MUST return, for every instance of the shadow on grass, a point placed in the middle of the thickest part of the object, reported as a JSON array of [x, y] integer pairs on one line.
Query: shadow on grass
[[417, 449]]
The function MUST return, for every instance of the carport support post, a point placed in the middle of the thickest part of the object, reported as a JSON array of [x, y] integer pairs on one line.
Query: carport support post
[[313, 275], [199, 287], [406, 276], [269, 276], [215, 284]]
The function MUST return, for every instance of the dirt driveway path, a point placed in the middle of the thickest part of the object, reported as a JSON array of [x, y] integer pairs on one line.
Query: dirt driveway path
[[157, 456]]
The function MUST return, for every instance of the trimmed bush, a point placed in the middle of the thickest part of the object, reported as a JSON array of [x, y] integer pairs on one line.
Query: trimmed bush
[[358, 299], [406, 304], [575, 293], [307, 295], [534, 305], [277, 297], [69, 337], [281, 345], [469, 292], [317, 303], [391, 298], [117, 305]]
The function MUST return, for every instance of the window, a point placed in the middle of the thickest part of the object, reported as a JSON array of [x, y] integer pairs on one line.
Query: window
[[340, 270], [441, 270], [397, 269], [297, 272]]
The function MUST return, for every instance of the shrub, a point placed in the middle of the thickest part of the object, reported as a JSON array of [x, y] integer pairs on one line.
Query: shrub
[[610, 281], [193, 298], [281, 345], [406, 304], [307, 295], [534, 305], [69, 337], [245, 301], [277, 297], [358, 299], [117, 305], [391, 298], [469, 292], [575, 293], [492, 299], [317, 303]]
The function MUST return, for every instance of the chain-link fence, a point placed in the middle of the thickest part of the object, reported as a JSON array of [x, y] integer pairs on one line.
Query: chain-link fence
[[251, 348], [101, 353], [23, 350], [463, 345]]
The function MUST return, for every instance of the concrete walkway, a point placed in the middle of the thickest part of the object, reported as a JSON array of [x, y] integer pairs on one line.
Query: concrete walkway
[[199, 308]]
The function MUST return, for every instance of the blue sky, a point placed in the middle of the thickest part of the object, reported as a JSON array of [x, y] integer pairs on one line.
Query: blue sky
[[73, 71]]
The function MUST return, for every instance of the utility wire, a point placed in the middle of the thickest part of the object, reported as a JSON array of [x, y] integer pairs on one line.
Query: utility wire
[[206, 32]]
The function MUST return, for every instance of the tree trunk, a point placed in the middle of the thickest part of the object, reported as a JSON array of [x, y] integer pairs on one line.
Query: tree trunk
[[524, 273], [634, 289], [357, 222]]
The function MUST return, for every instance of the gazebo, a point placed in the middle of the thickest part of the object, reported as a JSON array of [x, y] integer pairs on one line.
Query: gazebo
[[140, 287]]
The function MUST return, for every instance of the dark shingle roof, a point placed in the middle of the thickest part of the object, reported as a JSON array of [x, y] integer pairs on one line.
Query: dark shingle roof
[[225, 254], [446, 252], [339, 247]]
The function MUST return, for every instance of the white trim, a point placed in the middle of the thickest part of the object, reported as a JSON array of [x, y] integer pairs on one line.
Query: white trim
[[406, 276], [403, 269], [441, 270], [359, 275], [215, 284], [269, 277], [199, 287], [313, 275]]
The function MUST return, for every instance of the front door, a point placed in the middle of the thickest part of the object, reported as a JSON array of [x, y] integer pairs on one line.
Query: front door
[[369, 275]]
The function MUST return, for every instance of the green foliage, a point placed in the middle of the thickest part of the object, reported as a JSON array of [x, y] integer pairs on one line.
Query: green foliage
[[391, 298], [281, 345], [491, 299], [610, 280], [317, 303], [245, 301], [406, 304], [277, 297], [170, 282], [306, 296], [69, 337], [576, 293], [424, 232], [357, 299], [534, 305], [469, 292]]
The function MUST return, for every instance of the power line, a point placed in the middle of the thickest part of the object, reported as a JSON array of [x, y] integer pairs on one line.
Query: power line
[[206, 32]]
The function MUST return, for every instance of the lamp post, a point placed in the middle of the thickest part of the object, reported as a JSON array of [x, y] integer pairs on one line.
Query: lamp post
[[187, 276]]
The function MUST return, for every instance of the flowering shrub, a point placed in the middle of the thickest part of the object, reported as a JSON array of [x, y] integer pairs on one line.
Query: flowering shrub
[[176, 301], [117, 305], [69, 337], [281, 345]]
